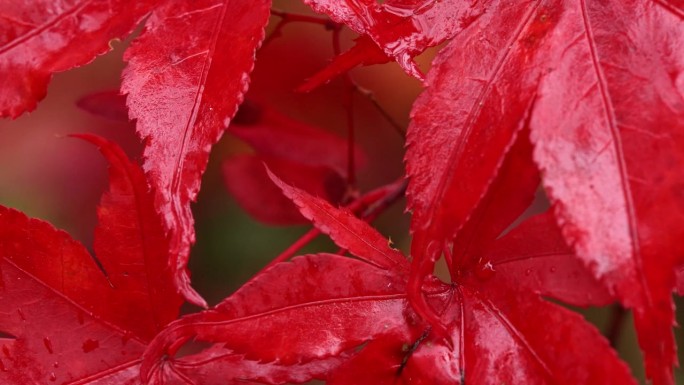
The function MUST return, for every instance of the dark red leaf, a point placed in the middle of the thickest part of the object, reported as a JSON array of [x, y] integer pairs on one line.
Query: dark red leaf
[[68, 319], [186, 75], [276, 135], [39, 38], [246, 179], [612, 162], [107, 104]]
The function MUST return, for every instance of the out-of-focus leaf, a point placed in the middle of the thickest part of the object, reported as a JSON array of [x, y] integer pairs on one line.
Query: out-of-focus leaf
[[246, 179]]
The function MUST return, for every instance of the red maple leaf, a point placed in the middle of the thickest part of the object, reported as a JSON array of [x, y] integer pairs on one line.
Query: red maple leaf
[[69, 318], [184, 95], [183, 91], [337, 304], [597, 84], [304, 155], [73, 319], [42, 37], [400, 30]]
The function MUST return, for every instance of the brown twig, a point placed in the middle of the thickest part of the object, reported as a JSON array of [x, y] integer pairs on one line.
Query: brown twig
[[371, 98], [614, 329]]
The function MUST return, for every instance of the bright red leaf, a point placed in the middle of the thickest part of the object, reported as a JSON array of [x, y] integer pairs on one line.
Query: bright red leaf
[[466, 104], [219, 366], [186, 75], [350, 302], [67, 319], [612, 164], [39, 38], [304, 155], [402, 29], [589, 92], [606, 161]]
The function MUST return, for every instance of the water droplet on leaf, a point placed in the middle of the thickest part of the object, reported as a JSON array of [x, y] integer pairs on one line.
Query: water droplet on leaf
[[485, 271]]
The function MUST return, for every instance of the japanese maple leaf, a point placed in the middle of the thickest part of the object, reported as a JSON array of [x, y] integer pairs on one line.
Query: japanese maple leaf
[[39, 38], [599, 84], [331, 304], [108, 104], [400, 29], [69, 318], [186, 75], [301, 154]]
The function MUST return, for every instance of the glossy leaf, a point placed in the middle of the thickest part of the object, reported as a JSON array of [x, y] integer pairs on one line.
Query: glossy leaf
[[184, 91], [611, 163], [351, 302], [40, 38], [345, 229], [337, 303], [537, 258], [466, 105], [246, 179], [219, 366], [403, 29], [108, 104], [492, 341], [598, 158], [70, 320]]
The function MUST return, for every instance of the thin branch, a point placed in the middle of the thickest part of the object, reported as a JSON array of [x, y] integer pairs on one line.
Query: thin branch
[[348, 104], [614, 329], [374, 101]]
